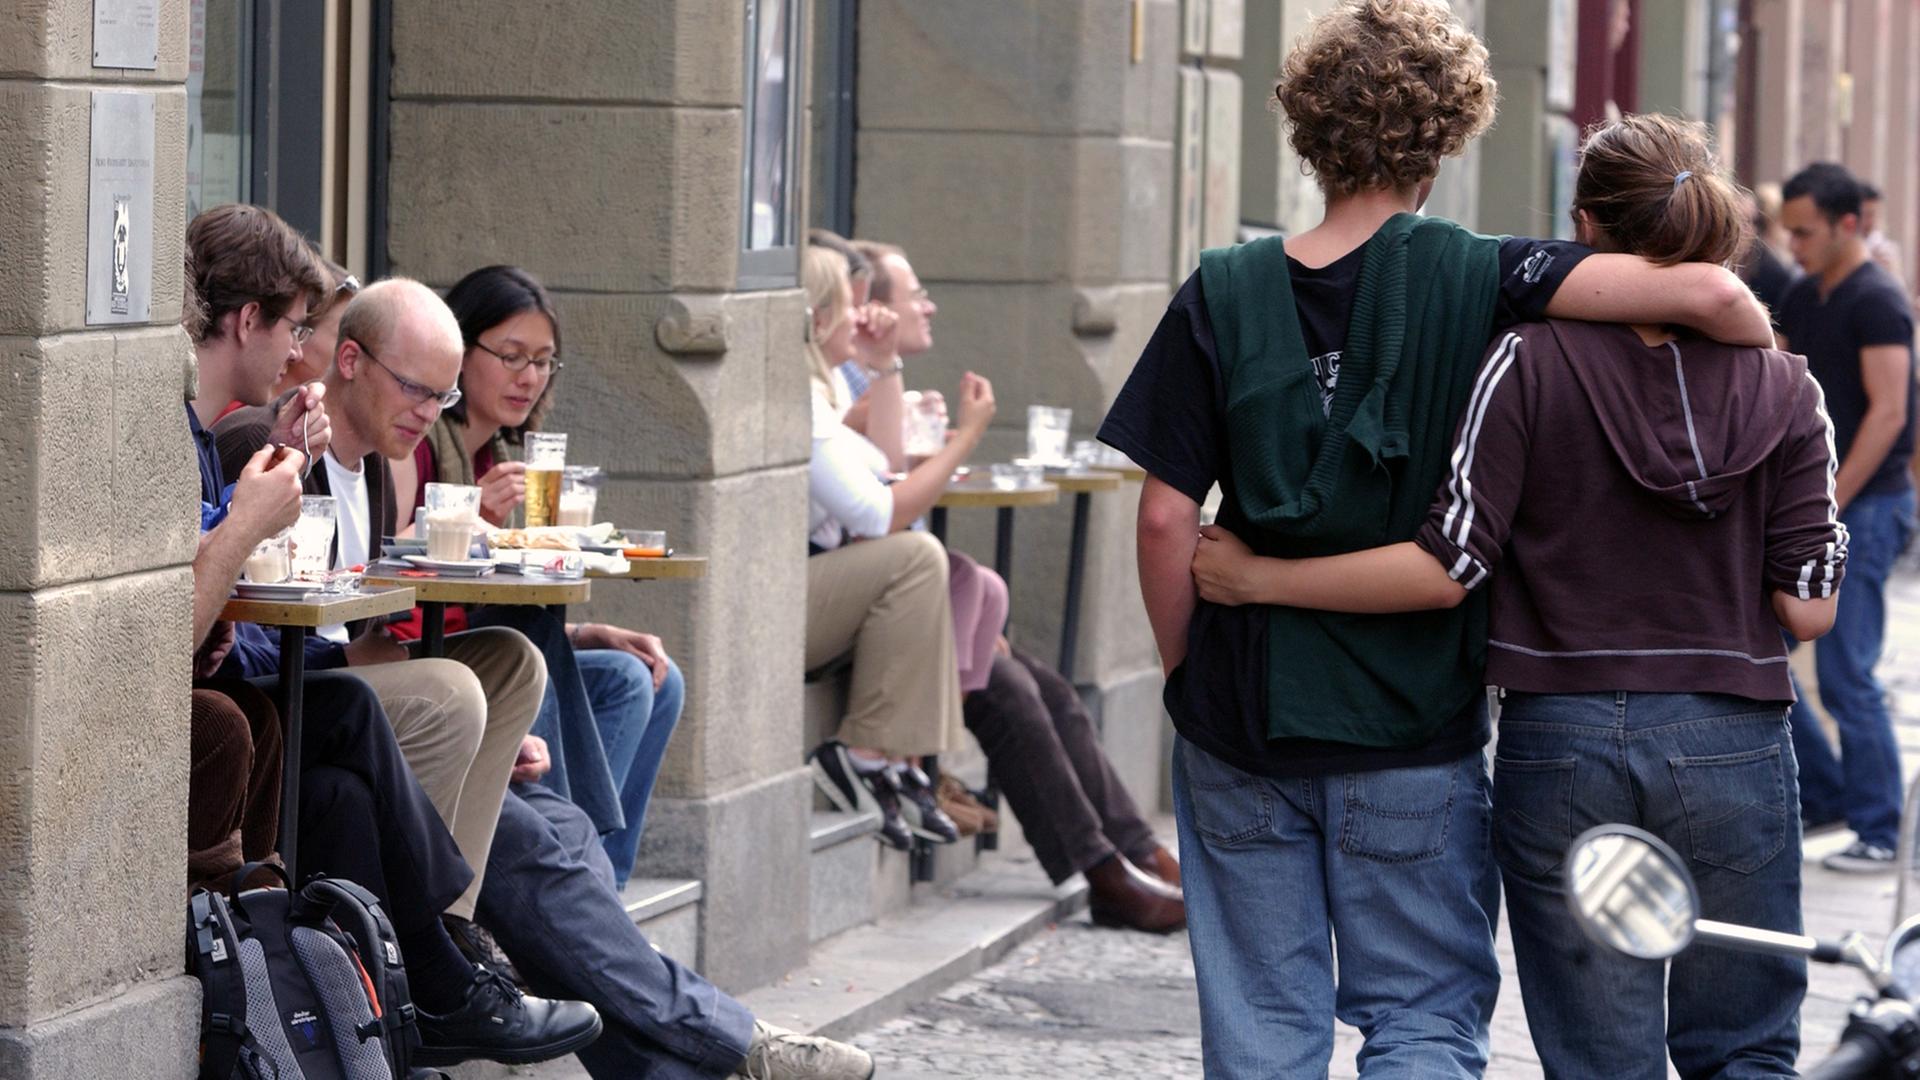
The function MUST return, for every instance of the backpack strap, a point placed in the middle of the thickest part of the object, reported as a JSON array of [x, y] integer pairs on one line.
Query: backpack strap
[[240, 876], [213, 952], [360, 914]]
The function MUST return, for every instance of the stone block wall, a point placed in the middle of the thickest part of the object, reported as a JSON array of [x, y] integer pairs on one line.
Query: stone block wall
[[602, 151], [1052, 168], [96, 529]]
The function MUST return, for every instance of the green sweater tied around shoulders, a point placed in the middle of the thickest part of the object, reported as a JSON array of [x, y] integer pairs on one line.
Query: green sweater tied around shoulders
[[1302, 482]]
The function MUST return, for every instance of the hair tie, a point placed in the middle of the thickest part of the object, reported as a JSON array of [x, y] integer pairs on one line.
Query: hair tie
[[1684, 173]]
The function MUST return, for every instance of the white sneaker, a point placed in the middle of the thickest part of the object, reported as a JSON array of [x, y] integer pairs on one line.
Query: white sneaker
[[1860, 858], [779, 1054]]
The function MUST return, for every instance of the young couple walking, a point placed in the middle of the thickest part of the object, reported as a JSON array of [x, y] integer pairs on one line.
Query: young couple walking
[[1647, 495]]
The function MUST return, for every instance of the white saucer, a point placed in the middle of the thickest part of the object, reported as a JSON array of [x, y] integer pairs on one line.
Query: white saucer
[[463, 568], [278, 590]]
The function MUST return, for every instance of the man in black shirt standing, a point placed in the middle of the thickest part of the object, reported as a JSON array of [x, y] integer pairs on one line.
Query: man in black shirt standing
[[1853, 323]]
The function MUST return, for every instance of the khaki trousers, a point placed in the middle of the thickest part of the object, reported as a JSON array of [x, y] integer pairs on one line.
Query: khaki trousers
[[459, 722], [886, 601]]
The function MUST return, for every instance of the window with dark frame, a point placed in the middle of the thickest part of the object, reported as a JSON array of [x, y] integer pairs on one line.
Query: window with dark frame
[[769, 249]]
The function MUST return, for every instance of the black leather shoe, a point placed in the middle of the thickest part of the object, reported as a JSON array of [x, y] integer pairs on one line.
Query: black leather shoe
[[886, 793], [921, 808], [499, 1023], [833, 775]]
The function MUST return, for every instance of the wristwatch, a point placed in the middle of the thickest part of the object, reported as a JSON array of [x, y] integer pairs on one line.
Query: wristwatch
[[894, 368]]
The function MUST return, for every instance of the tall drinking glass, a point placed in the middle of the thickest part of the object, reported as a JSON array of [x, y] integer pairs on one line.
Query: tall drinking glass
[[580, 494], [313, 535], [546, 459], [453, 513], [1047, 431]]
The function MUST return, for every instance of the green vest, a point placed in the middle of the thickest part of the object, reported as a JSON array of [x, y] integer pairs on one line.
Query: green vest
[[1302, 482]]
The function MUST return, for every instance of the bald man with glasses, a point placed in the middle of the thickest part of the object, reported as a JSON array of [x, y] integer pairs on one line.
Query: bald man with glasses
[[395, 366]]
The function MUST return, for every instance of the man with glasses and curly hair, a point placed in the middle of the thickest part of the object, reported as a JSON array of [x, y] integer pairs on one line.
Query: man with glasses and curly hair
[[1329, 781]]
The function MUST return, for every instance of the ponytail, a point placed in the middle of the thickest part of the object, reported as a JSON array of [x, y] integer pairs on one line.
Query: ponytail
[[1652, 184]]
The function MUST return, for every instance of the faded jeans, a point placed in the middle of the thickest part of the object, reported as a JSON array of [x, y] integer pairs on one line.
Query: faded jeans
[[1862, 784], [1714, 777], [1390, 872]]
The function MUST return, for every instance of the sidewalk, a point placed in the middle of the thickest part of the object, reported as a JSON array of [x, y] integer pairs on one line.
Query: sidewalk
[[1084, 1002]]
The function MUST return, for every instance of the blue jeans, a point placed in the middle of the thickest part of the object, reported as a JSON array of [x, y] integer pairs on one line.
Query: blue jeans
[[1388, 871], [1862, 785], [636, 723], [1711, 775], [550, 902]]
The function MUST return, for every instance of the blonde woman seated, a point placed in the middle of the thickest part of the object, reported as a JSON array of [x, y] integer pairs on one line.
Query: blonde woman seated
[[876, 591]]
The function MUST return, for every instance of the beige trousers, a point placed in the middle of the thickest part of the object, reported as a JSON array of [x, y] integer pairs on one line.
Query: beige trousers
[[459, 722], [886, 601]]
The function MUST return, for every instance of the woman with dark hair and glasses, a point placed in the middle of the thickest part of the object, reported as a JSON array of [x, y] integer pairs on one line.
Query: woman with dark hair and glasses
[[613, 695]]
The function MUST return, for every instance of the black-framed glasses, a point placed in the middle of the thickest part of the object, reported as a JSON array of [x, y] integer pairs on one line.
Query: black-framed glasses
[[545, 365], [301, 331], [418, 393]]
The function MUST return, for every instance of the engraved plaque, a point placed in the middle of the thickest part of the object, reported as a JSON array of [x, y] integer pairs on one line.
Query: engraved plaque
[[126, 34], [120, 209]]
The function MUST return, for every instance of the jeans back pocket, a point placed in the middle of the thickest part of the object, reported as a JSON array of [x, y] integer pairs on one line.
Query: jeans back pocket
[[1532, 813], [1736, 807], [1230, 806], [1399, 815]]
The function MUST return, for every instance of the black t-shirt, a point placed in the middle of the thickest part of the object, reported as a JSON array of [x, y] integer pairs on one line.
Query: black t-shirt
[[1868, 308], [1769, 278], [1170, 418]]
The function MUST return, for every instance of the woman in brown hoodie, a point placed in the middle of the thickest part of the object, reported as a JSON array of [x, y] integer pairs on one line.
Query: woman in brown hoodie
[[1658, 507]]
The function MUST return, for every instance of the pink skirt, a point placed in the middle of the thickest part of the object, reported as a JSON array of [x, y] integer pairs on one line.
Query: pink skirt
[[979, 614]]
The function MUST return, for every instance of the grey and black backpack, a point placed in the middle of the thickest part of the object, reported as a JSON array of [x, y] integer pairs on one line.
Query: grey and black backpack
[[305, 985]]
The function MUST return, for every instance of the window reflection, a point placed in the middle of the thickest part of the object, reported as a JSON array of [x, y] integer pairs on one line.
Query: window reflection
[[768, 207], [219, 104]]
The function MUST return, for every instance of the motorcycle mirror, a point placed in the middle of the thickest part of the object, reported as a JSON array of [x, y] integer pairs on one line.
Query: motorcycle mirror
[[1630, 892]]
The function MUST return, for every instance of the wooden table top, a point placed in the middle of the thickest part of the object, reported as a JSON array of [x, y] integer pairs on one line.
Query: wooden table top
[[323, 609], [1081, 483], [979, 493], [495, 588], [656, 569]]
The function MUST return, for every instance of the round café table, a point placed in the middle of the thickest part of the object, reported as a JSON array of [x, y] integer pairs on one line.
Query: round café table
[[1082, 486], [434, 593], [1004, 501], [295, 618]]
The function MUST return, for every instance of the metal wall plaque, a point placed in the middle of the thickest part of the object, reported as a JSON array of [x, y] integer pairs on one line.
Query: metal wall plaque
[[126, 34], [120, 209]]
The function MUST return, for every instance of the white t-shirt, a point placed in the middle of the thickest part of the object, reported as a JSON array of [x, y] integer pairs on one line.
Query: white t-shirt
[[354, 524], [846, 496]]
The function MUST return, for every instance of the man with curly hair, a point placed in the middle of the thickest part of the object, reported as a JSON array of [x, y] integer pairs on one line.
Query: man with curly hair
[[1329, 779]]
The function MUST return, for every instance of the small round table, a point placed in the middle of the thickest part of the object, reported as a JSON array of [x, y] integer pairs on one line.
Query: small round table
[[295, 618], [434, 593], [1082, 486], [1004, 501]]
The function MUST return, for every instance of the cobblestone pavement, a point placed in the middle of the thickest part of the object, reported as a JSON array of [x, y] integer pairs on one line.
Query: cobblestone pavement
[[1080, 1001]]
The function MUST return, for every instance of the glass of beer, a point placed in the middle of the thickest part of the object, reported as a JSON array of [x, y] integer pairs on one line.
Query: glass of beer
[[546, 460]]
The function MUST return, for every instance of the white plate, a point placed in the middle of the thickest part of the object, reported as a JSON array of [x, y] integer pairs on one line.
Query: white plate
[[465, 568], [279, 590]]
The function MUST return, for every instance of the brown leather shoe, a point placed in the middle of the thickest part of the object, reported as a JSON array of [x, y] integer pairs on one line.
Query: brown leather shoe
[[1121, 894], [1163, 866], [966, 811]]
